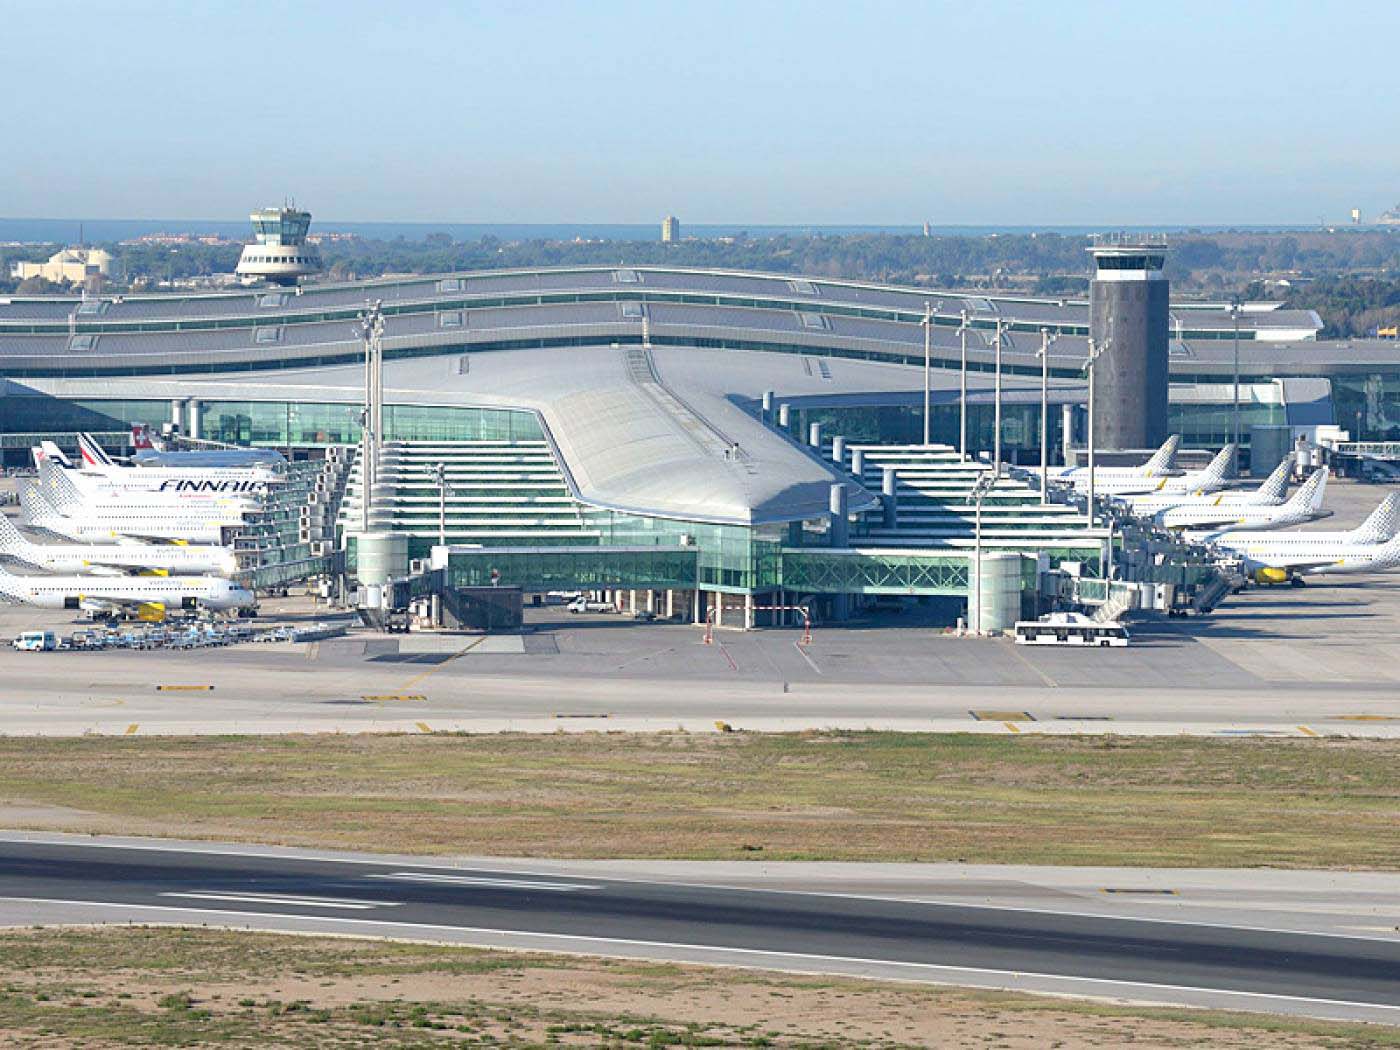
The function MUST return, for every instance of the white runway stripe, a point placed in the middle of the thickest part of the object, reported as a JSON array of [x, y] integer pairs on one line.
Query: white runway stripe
[[483, 880], [283, 898]]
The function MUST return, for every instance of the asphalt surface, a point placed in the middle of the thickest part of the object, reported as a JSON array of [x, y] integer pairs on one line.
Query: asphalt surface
[[1141, 959]]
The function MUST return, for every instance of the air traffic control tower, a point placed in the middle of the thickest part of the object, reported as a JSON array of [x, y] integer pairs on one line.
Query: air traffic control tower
[[279, 253], [1129, 317]]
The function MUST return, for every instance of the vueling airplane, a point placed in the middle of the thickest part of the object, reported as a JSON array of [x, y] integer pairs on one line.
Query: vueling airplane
[[1285, 557], [1269, 494], [1149, 477], [146, 597], [1303, 505], [115, 559]]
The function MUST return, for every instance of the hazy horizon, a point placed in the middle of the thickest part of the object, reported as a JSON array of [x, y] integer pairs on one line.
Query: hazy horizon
[[727, 114]]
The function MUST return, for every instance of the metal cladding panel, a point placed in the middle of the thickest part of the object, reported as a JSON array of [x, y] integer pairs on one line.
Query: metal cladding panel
[[1130, 319]]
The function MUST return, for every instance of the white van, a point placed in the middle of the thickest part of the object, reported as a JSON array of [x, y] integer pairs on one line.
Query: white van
[[36, 642]]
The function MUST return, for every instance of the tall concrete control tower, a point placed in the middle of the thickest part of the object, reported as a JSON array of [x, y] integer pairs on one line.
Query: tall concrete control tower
[[1129, 316]]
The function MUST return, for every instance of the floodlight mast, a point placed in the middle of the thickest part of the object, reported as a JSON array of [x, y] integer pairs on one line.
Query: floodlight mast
[[1046, 341], [370, 330], [962, 386], [928, 363], [996, 412]]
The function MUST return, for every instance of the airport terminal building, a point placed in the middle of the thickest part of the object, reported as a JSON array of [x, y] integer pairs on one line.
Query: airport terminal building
[[749, 434]]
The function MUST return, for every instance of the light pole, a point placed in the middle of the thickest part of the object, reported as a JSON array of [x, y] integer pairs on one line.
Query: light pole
[[1235, 404], [440, 472], [996, 411], [371, 332], [979, 493], [1046, 340], [1094, 352], [928, 357], [962, 386]]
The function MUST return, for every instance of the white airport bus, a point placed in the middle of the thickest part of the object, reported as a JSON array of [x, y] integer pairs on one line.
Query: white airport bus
[[1070, 628]]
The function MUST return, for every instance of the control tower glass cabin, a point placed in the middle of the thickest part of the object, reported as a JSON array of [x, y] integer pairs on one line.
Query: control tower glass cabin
[[279, 253]]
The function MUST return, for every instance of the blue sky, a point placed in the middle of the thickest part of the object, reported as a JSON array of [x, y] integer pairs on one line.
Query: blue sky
[[872, 112]]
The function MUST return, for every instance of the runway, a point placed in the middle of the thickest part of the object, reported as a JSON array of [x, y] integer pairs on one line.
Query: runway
[[1062, 946]]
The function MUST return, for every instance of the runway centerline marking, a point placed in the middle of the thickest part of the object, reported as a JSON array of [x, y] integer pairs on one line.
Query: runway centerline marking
[[483, 880], [282, 898], [944, 968]]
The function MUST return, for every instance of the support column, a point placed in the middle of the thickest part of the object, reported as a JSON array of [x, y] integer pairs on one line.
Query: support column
[[192, 425], [858, 462], [767, 405], [670, 603], [838, 450], [177, 412], [814, 435], [718, 617], [651, 600], [695, 606], [785, 416], [748, 612], [888, 500], [839, 509], [632, 601], [1066, 430]]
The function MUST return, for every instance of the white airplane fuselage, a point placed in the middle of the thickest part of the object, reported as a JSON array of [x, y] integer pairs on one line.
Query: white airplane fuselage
[[153, 592]]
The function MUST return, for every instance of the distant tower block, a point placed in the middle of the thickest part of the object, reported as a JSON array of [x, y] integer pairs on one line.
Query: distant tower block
[[670, 230], [1128, 320], [279, 253]]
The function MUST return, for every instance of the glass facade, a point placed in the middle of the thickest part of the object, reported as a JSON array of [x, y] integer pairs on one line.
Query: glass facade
[[280, 423]]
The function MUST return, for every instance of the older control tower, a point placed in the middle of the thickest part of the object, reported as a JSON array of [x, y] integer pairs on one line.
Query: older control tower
[[1129, 316], [279, 253]]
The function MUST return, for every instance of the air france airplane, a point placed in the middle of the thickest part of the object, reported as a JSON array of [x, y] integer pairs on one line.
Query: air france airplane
[[147, 597], [115, 559], [1269, 494], [1303, 505], [1285, 557]]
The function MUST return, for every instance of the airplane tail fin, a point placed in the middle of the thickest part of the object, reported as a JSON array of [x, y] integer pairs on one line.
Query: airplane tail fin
[[53, 452], [1382, 525], [93, 455], [1163, 459], [1218, 468], [1309, 496], [11, 542], [141, 436], [1275, 485]]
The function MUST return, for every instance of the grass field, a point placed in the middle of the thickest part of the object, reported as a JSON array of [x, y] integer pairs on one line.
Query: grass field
[[843, 796], [163, 986]]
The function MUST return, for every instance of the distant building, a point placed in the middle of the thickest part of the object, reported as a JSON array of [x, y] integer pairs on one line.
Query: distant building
[[670, 230], [280, 254], [69, 266], [1390, 218], [1356, 216], [928, 230]]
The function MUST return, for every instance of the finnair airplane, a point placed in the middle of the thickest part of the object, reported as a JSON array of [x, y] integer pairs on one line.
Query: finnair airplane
[[100, 472], [1150, 477], [1303, 505], [1269, 494], [116, 559], [147, 597], [1285, 557]]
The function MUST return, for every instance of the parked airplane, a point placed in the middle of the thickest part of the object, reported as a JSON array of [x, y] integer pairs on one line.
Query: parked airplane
[[111, 524], [115, 559], [1284, 557], [146, 453], [1149, 477], [146, 597], [1303, 505], [1269, 494], [99, 470]]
